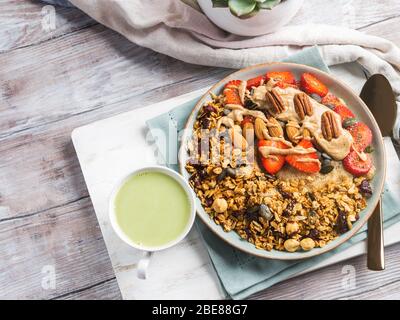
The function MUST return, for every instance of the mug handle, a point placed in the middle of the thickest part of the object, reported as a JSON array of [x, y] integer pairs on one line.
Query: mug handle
[[143, 265]]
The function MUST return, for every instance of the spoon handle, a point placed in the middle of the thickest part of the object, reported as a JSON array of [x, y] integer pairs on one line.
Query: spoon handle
[[376, 257]]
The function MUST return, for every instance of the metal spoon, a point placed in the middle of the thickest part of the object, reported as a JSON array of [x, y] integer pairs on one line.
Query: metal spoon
[[377, 94]]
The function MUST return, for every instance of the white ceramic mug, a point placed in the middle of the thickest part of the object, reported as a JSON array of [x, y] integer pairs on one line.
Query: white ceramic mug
[[147, 251]]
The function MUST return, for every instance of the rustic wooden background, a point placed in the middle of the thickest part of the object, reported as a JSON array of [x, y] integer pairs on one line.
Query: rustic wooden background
[[52, 82]]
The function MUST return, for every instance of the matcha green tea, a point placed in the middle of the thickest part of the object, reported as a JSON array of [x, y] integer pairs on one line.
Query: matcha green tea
[[152, 209]]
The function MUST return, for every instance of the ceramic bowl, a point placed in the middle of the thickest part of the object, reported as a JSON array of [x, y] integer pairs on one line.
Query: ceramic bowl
[[362, 113], [265, 21]]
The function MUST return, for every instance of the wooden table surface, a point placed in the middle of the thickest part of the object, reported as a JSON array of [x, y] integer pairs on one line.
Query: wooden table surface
[[54, 81]]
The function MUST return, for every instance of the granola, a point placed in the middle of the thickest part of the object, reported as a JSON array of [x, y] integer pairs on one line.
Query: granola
[[285, 190]]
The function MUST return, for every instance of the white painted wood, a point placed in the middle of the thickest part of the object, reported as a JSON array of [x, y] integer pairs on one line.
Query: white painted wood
[[109, 149]]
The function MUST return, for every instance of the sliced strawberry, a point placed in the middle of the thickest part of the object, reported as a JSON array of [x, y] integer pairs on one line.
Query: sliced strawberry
[[344, 112], [299, 161], [247, 119], [284, 85], [233, 84], [255, 82], [310, 84], [331, 101], [362, 135], [232, 96], [357, 166], [275, 163], [281, 76]]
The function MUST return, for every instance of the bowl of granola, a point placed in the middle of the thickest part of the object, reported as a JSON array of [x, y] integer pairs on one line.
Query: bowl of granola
[[283, 158]]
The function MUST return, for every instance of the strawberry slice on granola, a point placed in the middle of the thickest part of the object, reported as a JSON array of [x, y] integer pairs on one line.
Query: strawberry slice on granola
[[357, 164], [232, 96], [308, 162], [255, 82], [273, 163], [312, 85], [344, 112], [281, 77], [362, 135]]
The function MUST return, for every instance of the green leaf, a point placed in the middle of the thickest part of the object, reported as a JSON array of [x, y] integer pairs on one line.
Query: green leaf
[[220, 3], [269, 4], [241, 7], [251, 14], [369, 149]]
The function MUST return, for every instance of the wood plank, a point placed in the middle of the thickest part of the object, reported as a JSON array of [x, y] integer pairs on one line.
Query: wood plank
[[107, 290], [327, 283], [66, 238], [21, 23], [93, 69]]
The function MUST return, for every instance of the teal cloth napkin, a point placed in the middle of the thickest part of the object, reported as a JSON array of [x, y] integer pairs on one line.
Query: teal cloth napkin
[[242, 274]]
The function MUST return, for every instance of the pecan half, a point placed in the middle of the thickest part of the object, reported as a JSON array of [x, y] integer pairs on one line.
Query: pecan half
[[302, 105], [275, 101], [329, 126]]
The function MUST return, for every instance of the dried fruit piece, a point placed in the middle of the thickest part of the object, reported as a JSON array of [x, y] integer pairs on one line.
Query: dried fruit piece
[[275, 101], [357, 165], [329, 126], [302, 105], [341, 223], [255, 82], [305, 162], [274, 163], [310, 84], [365, 188], [344, 112], [362, 135], [274, 128], [281, 76]]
